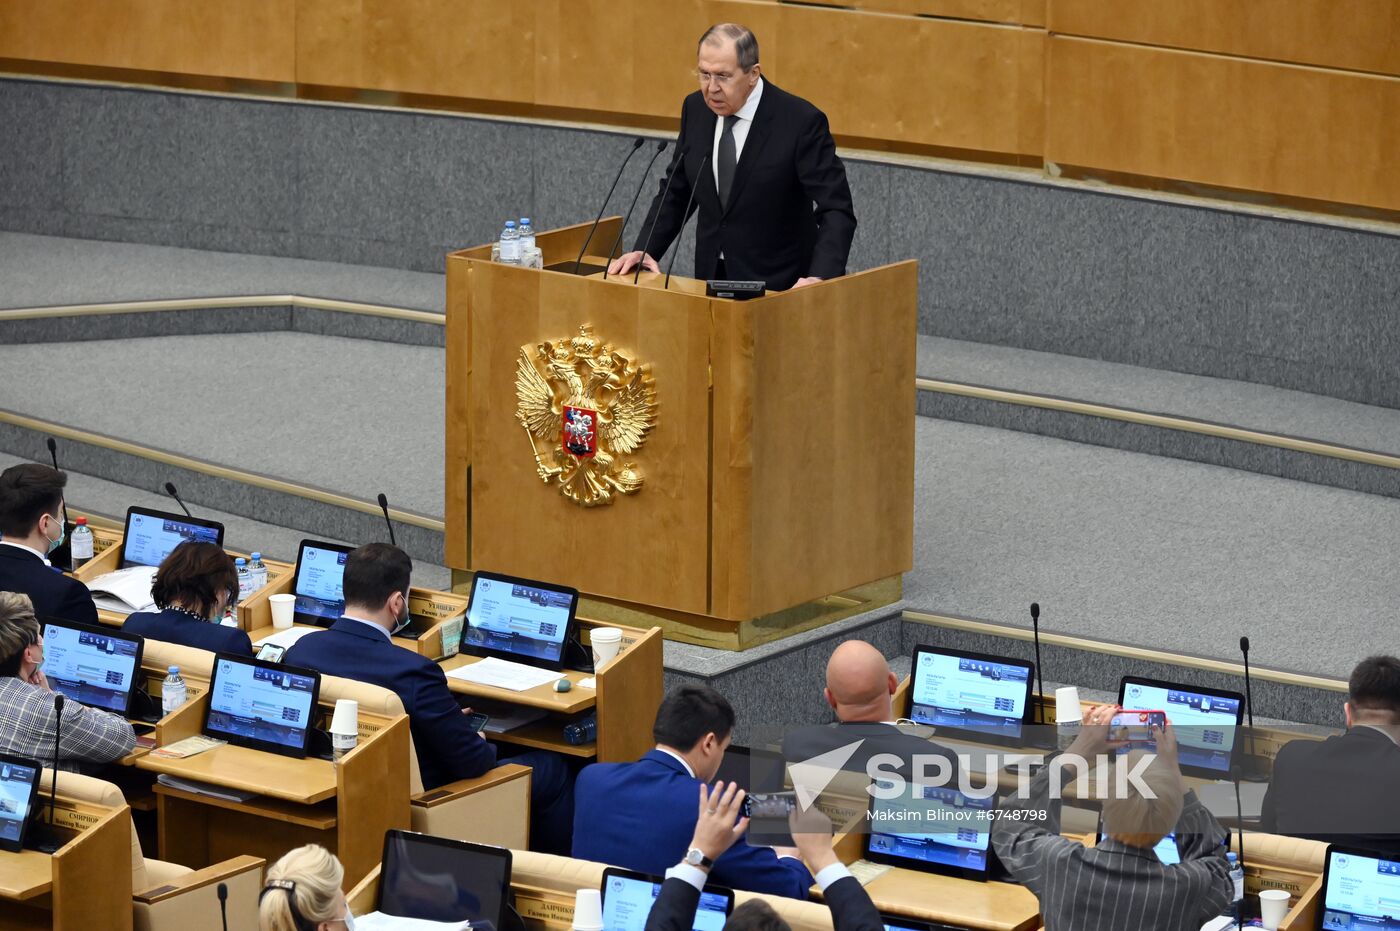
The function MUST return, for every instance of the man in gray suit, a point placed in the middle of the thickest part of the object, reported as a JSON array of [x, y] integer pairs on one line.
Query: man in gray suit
[[1120, 883]]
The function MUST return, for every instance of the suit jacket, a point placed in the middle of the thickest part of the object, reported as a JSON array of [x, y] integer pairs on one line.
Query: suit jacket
[[448, 749], [851, 908], [769, 231], [641, 816], [89, 735], [178, 627], [1340, 790], [1113, 885], [53, 593]]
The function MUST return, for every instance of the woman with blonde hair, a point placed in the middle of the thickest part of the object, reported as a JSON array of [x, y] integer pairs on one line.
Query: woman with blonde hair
[[302, 893]]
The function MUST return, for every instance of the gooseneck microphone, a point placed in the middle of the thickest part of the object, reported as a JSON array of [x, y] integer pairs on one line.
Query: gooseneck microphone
[[1239, 823], [636, 144], [170, 490], [685, 216], [384, 506], [62, 556], [53, 455], [677, 163], [1253, 769], [1039, 669], [50, 841], [646, 173], [223, 904]]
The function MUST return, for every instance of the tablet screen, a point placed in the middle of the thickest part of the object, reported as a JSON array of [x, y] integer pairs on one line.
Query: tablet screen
[[985, 695], [1360, 891], [19, 780], [91, 665], [320, 582], [628, 897], [261, 704], [1205, 722], [437, 879], [150, 536], [954, 836], [519, 619]]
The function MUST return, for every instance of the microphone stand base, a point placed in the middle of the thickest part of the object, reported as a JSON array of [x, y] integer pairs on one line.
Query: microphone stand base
[[583, 270]]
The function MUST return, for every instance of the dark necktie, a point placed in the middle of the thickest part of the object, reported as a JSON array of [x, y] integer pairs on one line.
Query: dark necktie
[[726, 160]]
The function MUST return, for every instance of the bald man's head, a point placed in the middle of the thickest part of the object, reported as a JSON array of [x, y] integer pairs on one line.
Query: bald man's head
[[859, 683]]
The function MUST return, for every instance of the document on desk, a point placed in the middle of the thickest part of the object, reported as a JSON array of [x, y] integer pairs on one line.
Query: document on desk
[[124, 591], [503, 674], [378, 921]]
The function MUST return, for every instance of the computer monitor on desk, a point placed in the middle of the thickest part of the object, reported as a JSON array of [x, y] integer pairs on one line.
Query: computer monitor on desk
[[976, 696], [262, 705], [520, 620], [94, 666], [1205, 720], [931, 828], [149, 536], [319, 582], [1360, 890]]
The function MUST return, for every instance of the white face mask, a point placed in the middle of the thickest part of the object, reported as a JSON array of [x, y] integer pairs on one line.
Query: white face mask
[[349, 919]]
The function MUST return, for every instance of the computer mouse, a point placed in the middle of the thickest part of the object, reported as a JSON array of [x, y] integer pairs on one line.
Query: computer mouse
[[563, 685]]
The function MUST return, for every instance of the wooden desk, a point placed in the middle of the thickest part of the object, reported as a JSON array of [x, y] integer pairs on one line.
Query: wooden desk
[[77, 888], [960, 902], [345, 806]]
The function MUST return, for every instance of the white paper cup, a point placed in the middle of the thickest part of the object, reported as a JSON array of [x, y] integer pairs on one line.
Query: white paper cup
[[606, 642], [345, 726], [1067, 710], [588, 910], [1273, 907], [283, 608]]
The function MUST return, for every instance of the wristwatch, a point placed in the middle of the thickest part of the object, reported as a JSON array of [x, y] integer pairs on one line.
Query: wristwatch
[[696, 857]]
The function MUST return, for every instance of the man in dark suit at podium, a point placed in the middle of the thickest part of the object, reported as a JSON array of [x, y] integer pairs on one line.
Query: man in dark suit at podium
[[767, 157], [1344, 789], [31, 527]]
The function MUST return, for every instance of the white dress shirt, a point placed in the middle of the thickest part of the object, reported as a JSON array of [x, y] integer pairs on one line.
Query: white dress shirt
[[378, 629], [741, 130], [676, 756]]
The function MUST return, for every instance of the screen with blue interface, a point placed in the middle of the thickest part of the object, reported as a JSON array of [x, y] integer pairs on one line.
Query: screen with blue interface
[[1362, 892], [953, 829], [986, 696], [1204, 724], [526, 620], [627, 901], [320, 590], [16, 797], [149, 539], [90, 667], [254, 702]]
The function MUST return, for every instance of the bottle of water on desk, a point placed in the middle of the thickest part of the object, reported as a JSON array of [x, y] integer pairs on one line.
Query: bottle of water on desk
[[82, 543], [172, 692], [510, 244], [258, 570], [1236, 877], [245, 578], [527, 234]]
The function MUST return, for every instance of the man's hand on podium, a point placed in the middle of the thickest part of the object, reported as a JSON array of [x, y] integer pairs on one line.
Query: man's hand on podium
[[803, 282], [628, 260]]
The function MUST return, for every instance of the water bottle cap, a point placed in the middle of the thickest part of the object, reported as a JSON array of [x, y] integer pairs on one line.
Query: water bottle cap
[[510, 224], [524, 221], [257, 556], [1231, 856], [174, 670], [240, 561], [82, 521]]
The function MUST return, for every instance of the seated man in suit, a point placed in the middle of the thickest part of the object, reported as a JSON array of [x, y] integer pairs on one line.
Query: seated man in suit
[[717, 828], [640, 815], [27, 718], [860, 689], [31, 527], [358, 647], [192, 587], [1344, 789]]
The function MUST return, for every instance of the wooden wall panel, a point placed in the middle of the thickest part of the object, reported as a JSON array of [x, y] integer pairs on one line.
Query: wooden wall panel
[[1234, 123], [960, 85], [1353, 34], [1025, 12], [478, 50], [250, 39]]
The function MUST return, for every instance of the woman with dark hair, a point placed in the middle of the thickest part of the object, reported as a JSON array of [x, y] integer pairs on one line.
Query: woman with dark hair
[[192, 587]]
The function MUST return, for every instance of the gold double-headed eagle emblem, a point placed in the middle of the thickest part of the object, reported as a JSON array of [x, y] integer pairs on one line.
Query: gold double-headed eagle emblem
[[588, 405]]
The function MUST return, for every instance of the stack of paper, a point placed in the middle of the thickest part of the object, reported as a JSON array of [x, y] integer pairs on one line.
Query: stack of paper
[[501, 674], [378, 921], [125, 591]]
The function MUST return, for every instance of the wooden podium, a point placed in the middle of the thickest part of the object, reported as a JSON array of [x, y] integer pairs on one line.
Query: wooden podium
[[775, 485]]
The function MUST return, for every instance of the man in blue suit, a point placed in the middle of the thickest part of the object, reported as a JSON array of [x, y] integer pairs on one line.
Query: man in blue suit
[[31, 527], [357, 646], [641, 815]]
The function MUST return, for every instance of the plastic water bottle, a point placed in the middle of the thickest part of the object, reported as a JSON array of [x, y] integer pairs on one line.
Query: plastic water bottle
[[258, 570], [245, 578], [172, 692], [82, 543], [1237, 877], [581, 732], [527, 235], [510, 244]]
